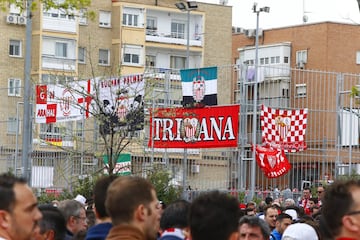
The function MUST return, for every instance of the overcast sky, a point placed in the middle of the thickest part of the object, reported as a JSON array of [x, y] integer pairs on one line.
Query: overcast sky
[[290, 12]]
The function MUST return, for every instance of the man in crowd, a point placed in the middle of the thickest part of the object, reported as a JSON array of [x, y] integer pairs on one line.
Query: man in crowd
[[174, 222], [252, 227], [270, 215], [341, 209], [100, 230], [304, 202], [19, 213], [321, 194], [52, 225], [283, 220], [214, 216], [75, 217], [134, 209]]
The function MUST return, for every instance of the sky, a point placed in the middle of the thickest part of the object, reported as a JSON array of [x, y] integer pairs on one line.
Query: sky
[[290, 12]]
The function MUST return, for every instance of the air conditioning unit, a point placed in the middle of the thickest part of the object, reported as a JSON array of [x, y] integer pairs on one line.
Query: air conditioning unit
[[21, 20], [300, 65], [250, 33], [195, 168], [11, 19]]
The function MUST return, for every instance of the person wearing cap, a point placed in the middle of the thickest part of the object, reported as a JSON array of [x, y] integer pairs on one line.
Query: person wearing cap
[[300, 231], [341, 209], [283, 220]]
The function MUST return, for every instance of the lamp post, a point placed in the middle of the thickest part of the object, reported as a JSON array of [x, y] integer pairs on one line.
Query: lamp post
[[255, 92], [189, 6]]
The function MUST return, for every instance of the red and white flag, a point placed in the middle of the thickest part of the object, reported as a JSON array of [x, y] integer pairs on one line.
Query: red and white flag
[[273, 162], [284, 129]]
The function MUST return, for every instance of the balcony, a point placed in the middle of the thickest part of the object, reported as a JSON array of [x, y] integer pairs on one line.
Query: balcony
[[153, 35], [51, 62]]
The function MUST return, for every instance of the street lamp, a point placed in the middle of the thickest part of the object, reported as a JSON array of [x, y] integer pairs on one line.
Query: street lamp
[[189, 6], [253, 163]]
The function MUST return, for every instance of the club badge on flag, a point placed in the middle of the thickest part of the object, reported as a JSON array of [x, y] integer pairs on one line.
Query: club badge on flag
[[273, 162], [199, 86], [284, 129]]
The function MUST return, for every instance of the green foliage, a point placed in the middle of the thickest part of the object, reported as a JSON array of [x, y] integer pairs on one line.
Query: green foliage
[[161, 178], [82, 186]]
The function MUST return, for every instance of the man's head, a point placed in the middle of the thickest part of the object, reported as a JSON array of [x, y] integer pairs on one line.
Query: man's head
[[283, 220], [52, 225], [270, 214], [252, 227], [214, 215], [341, 208], [306, 193], [313, 202], [132, 200], [75, 215], [19, 214], [175, 215], [321, 192], [100, 190]]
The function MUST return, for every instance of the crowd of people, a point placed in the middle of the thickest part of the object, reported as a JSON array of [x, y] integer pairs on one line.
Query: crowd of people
[[127, 208]]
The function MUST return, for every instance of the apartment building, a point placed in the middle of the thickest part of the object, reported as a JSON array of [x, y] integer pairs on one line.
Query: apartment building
[[125, 37], [310, 66]]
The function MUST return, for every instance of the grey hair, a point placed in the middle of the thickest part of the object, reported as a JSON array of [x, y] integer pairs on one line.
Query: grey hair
[[70, 208], [254, 221]]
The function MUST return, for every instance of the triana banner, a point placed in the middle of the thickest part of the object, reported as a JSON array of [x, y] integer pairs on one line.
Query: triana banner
[[273, 162], [118, 97], [208, 127], [199, 86], [284, 129]]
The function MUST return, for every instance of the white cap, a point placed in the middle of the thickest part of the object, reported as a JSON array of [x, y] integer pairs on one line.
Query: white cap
[[292, 213], [80, 199], [298, 231]]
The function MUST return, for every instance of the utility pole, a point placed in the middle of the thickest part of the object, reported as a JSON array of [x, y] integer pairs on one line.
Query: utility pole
[[27, 126]]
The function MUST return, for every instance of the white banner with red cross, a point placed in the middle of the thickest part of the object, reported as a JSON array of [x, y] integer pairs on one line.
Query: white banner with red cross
[[74, 101]]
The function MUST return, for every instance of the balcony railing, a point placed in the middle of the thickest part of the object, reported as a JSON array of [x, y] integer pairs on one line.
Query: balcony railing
[[51, 62], [153, 35]]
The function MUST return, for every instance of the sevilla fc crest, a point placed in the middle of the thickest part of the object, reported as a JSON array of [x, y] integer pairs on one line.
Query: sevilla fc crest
[[198, 88], [282, 126], [190, 129]]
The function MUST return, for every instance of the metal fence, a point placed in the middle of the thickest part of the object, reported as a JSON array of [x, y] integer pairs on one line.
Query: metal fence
[[332, 136]]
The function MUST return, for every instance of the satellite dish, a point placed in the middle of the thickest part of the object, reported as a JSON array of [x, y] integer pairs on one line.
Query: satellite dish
[[305, 19]]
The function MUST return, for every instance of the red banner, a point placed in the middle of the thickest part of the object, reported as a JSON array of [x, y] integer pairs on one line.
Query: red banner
[[208, 127]]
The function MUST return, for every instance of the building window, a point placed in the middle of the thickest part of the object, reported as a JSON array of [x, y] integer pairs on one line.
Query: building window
[[12, 126], [178, 30], [15, 48], [300, 90], [104, 57], [301, 56], [49, 132], [14, 87], [150, 61], [83, 16], [104, 19], [132, 54], [358, 57], [61, 49], [130, 20], [133, 17], [81, 54], [177, 62], [79, 128], [286, 59]]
